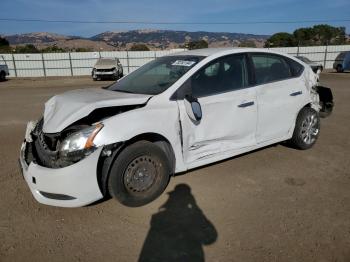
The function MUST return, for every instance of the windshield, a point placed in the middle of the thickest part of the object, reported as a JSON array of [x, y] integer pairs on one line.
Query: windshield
[[157, 76]]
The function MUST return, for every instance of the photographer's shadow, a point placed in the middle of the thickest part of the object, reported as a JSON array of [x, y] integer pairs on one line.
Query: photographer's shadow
[[178, 230]]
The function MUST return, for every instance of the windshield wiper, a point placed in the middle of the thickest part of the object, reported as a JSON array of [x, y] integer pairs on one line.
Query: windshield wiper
[[124, 91]]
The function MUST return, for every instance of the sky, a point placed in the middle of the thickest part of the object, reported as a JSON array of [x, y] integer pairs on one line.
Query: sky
[[169, 11]]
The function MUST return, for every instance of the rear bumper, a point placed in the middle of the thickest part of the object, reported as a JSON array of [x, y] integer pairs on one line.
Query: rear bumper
[[326, 100], [72, 186]]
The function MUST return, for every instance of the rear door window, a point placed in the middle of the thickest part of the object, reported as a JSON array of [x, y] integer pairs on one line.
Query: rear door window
[[270, 68]]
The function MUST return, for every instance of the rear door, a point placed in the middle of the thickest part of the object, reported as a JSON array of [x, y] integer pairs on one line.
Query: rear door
[[229, 110], [279, 93]]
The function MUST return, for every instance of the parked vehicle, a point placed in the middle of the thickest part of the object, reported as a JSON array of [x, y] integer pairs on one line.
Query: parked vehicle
[[342, 62], [107, 68], [178, 112], [316, 66], [4, 70]]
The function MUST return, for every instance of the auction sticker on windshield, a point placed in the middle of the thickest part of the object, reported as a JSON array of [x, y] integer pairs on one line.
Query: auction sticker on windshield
[[183, 63]]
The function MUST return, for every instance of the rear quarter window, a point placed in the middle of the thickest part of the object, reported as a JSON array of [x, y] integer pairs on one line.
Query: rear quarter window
[[295, 67]]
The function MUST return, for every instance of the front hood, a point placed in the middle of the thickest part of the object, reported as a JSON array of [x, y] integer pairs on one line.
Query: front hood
[[105, 66], [65, 109]]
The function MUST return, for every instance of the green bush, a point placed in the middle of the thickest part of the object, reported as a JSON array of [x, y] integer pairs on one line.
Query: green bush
[[139, 47]]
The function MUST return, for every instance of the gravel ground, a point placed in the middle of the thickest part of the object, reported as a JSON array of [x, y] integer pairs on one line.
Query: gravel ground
[[275, 204]]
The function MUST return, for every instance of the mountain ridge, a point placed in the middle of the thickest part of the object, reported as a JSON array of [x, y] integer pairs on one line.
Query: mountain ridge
[[154, 38]]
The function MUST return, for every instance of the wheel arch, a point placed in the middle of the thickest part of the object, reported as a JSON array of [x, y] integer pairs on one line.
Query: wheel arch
[[105, 163]]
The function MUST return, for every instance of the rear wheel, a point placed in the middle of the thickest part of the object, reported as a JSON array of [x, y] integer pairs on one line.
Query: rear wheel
[[339, 69], [307, 129], [2, 76], [139, 174]]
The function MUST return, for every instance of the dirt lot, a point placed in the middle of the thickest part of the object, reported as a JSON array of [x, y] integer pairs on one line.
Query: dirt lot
[[276, 204]]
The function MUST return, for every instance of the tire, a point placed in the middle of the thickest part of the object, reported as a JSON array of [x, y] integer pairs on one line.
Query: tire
[[139, 174], [339, 69], [307, 129], [2, 76], [115, 77]]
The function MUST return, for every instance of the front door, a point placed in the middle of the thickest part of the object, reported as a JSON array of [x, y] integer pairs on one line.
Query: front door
[[229, 110]]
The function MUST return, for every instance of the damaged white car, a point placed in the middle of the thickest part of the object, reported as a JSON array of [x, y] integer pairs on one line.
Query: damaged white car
[[175, 113], [107, 68]]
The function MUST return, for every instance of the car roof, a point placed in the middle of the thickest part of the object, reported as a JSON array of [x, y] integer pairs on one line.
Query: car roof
[[218, 51]]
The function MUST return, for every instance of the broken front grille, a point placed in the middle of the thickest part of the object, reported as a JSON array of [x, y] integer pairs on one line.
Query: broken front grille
[[105, 70]]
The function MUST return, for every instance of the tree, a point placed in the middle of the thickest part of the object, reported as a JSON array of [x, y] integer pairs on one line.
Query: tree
[[53, 49], [197, 44], [316, 35], [281, 40], [247, 43], [304, 36], [326, 34], [4, 42], [83, 49], [139, 47], [29, 48], [320, 35], [4, 45]]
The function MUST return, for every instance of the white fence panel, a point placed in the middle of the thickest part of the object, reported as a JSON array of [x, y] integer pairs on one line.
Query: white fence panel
[[81, 63], [57, 64], [8, 60], [288, 50], [139, 58], [29, 65]]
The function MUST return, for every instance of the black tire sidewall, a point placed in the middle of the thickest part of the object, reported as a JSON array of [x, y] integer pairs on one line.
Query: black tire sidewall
[[116, 185], [339, 69], [296, 140], [2, 76]]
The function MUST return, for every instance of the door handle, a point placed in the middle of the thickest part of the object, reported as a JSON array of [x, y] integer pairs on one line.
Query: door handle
[[246, 104], [296, 93]]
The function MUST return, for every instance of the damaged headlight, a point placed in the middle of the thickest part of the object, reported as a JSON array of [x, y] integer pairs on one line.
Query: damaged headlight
[[81, 141]]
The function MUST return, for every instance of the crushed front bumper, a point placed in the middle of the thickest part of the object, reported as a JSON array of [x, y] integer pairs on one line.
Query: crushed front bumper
[[72, 186]]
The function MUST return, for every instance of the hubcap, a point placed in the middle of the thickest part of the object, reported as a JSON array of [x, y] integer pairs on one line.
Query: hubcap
[[140, 174], [309, 129]]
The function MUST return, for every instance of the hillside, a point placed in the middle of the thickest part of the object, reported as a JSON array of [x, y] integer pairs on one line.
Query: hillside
[[155, 39], [167, 38]]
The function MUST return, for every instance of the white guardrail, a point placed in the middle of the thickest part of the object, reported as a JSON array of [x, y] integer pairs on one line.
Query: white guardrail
[[81, 63]]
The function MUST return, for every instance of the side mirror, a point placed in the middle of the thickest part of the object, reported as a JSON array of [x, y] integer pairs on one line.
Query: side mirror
[[193, 108]]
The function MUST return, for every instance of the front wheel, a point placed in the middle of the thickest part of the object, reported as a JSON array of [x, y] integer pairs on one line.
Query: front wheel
[[139, 174], [307, 129]]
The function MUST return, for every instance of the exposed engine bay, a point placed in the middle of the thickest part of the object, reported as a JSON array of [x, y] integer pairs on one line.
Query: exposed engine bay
[[45, 147]]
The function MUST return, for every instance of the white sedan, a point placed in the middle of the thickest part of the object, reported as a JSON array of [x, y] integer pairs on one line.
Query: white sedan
[[173, 114]]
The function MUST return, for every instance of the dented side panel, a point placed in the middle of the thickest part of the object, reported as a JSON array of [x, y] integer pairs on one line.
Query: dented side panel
[[278, 104], [157, 117], [225, 125]]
